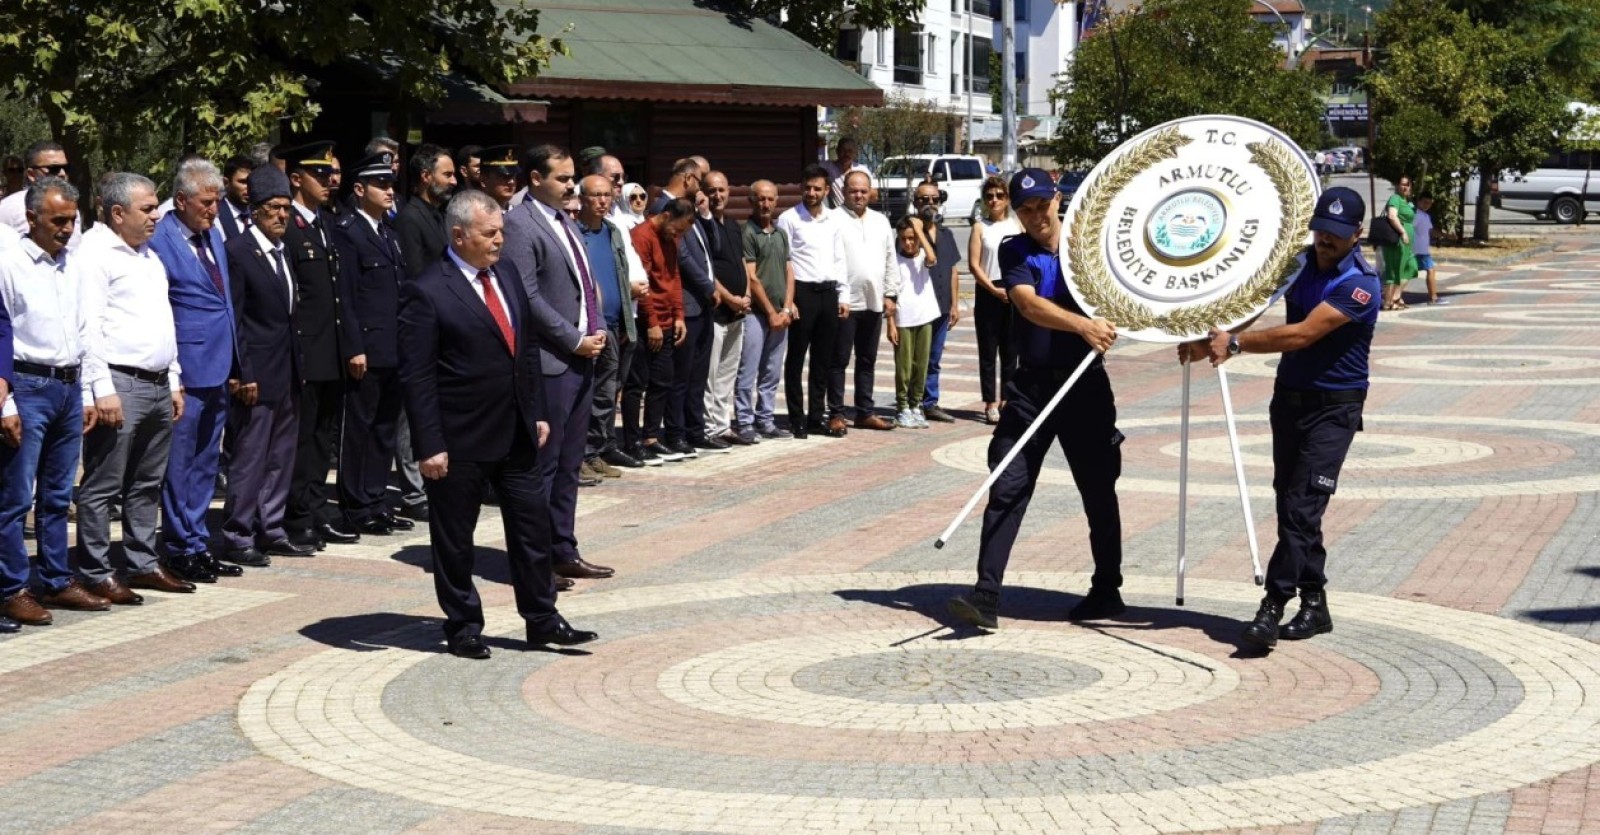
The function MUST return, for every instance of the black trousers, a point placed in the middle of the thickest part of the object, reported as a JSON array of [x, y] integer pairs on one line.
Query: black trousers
[[321, 407], [611, 370], [1309, 445], [366, 450], [992, 320], [686, 410], [814, 332], [860, 334], [1085, 425], [648, 386], [524, 512]]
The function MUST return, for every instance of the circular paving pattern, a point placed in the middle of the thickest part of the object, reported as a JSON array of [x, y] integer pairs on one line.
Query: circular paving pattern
[[1472, 366], [1149, 725], [1470, 458], [1478, 316]]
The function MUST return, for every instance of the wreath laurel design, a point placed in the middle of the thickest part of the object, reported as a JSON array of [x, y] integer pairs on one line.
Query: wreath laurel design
[[1110, 302]]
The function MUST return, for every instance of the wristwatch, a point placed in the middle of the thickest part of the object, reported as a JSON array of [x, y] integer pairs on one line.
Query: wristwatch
[[1233, 345]]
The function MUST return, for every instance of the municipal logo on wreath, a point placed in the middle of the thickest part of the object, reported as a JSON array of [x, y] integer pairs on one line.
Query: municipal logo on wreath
[[1190, 225]]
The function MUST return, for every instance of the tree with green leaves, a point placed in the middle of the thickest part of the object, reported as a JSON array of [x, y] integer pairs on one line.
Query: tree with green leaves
[[901, 126], [215, 75], [1469, 86], [817, 21], [1177, 58]]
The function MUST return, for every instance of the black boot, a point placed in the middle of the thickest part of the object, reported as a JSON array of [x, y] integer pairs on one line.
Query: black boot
[[978, 607], [1313, 618], [1098, 604], [1263, 631]]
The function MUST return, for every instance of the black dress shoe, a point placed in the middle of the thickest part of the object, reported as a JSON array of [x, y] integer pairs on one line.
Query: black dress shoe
[[285, 548], [399, 523], [1263, 631], [193, 567], [582, 569], [659, 451], [618, 458], [7, 625], [561, 634], [217, 567], [979, 608], [375, 526], [564, 583], [1312, 619], [329, 532], [416, 512], [307, 539], [471, 646], [798, 431], [684, 448], [1098, 604], [247, 556], [710, 444]]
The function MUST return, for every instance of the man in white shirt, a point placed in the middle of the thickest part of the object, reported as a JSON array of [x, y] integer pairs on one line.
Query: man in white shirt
[[816, 252], [841, 167], [131, 377], [43, 418], [873, 283], [41, 160]]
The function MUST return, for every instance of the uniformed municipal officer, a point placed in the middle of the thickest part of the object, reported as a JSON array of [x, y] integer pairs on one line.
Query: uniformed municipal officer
[[1052, 337], [316, 321], [1332, 310], [370, 271]]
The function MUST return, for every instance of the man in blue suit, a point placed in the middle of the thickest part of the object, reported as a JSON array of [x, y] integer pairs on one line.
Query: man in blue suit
[[472, 386], [190, 247], [543, 243]]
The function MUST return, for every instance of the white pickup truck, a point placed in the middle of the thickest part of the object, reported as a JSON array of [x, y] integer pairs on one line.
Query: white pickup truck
[[960, 177]]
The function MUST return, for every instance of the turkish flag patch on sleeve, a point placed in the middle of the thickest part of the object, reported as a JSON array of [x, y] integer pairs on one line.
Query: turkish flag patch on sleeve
[[1361, 296]]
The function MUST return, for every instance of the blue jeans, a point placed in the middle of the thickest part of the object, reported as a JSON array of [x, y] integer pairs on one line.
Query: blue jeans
[[760, 371], [52, 437], [941, 329]]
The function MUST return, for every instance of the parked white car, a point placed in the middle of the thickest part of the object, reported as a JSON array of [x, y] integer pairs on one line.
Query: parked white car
[[960, 177]]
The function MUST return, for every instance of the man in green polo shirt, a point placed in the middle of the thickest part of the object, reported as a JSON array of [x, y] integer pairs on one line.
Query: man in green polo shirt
[[766, 330]]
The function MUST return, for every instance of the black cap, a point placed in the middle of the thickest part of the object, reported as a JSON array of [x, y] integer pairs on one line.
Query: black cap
[[316, 157], [378, 166], [500, 159], [1340, 211]]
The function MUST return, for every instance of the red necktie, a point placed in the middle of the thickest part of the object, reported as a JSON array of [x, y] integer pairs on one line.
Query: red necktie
[[492, 299]]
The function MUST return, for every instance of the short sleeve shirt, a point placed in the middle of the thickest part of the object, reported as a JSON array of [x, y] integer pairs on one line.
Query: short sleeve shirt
[[1024, 262], [1422, 225], [1337, 361], [769, 250]]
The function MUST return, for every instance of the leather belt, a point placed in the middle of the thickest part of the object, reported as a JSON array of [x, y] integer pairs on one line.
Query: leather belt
[[1318, 399], [140, 374], [66, 373], [815, 285]]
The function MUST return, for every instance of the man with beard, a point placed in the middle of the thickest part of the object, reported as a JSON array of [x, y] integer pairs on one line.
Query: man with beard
[[420, 226], [817, 254]]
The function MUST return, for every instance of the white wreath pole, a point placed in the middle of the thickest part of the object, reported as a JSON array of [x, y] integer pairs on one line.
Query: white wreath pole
[[1183, 484], [1238, 473]]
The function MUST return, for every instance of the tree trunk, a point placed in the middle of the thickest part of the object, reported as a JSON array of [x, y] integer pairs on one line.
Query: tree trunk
[[1480, 223], [72, 139]]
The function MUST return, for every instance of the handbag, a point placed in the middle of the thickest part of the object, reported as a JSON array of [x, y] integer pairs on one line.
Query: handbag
[[1382, 232]]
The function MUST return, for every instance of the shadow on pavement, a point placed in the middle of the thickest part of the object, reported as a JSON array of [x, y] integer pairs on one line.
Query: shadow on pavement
[[373, 631], [487, 564], [1574, 614]]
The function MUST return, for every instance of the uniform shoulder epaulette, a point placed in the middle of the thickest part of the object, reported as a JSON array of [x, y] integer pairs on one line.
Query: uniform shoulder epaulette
[[343, 221]]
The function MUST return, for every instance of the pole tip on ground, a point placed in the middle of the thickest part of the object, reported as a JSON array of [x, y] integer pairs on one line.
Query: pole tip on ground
[[1180, 601], [1260, 580], [938, 543]]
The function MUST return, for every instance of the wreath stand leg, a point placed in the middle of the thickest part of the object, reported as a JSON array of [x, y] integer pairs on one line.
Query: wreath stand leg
[[1016, 449], [1183, 485], [1238, 473]]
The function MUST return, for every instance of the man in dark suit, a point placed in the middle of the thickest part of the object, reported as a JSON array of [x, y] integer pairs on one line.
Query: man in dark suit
[[190, 246], [542, 242], [233, 212], [315, 265], [266, 383], [371, 271], [472, 386]]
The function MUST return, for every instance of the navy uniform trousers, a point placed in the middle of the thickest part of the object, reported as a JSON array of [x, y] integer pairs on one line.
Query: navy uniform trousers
[[1084, 423], [1311, 434]]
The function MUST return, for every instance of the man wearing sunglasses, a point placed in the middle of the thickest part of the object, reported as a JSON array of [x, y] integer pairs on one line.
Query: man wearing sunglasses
[[42, 159]]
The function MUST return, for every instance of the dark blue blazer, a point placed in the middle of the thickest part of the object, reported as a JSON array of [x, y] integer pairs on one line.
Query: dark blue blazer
[[203, 316], [550, 283], [269, 354], [694, 265], [371, 271], [465, 392]]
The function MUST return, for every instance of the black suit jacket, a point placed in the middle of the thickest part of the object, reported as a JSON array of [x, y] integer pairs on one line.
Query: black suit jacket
[[370, 274], [316, 313], [268, 354], [423, 237], [465, 392]]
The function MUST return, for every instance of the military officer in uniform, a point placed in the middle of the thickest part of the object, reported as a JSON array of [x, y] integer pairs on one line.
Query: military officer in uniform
[[315, 264], [1332, 310], [501, 173], [370, 272], [1052, 337]]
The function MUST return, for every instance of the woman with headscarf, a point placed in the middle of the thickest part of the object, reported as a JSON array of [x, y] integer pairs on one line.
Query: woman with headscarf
[[629, 209]]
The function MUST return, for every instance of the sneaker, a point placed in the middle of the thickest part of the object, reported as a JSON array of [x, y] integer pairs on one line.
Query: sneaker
[[919, 421], [1098, 604], [741, 437], [935, 414], [906, 419], [617, 458], [711, 445], [599, 465], [683, 448], [642, 455], [658, 451], [991, 416], [1439, 301], [774, 433], [978, 607]]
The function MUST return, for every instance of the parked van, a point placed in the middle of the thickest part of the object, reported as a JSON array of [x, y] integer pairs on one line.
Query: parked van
[[1564, 188], [960, 177]]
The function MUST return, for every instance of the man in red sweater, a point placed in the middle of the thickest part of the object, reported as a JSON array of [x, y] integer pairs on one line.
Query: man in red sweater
[[661, 320]]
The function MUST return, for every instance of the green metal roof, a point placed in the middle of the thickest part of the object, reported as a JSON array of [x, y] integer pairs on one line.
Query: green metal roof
[[684, 50]]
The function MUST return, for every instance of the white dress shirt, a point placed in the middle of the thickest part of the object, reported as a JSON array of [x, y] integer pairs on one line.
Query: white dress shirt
[[276, 257], [14, 213], [47, 322], [816, 247], [837, 175], [565, 235], [471, 273], [123, 292], [869, 255]]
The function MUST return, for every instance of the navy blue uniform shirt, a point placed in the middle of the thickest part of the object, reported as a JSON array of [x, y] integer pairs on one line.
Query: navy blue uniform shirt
[[1337, 361], [1024, 262]]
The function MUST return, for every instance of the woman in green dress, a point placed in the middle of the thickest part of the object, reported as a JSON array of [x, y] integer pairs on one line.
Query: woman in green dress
[[1399, 262]]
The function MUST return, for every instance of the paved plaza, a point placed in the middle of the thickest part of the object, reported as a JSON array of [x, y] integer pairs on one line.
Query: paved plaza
[[775, 658]]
